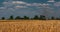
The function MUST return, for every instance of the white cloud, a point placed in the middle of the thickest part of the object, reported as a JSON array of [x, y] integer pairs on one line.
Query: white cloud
[[21, 4], [15, 2], [2, 8], [57, 4], [28, 4], [20, 7], [17, 5], [38, 4], [18, 2], [50, 1], [5, 2], [24, 3]]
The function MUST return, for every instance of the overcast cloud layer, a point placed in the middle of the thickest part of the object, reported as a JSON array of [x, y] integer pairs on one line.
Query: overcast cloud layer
[[29, 8]]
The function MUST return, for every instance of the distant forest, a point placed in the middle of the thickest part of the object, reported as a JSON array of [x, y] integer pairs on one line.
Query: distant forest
[[42, 17]]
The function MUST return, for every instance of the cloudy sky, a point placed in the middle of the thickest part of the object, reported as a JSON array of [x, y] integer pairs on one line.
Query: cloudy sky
[[29, 7]]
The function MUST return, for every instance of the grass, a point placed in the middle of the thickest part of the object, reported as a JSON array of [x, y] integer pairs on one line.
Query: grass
[[29, 25]]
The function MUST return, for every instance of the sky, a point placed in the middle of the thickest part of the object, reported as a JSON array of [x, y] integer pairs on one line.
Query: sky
[[29, 8]]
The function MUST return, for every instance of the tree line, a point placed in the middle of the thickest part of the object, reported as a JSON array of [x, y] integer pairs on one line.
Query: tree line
[[42, 17]]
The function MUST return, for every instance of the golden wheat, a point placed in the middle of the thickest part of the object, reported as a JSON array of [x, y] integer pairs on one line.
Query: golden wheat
[[29, 26]]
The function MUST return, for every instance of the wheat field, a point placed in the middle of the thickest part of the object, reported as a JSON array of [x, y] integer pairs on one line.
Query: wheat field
[[29, 25]]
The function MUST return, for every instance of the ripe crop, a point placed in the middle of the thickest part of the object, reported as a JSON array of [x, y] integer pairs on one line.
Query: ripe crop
[[29, 26]]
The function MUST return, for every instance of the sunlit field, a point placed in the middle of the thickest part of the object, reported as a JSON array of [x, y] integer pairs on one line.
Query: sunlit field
[[29, 25]]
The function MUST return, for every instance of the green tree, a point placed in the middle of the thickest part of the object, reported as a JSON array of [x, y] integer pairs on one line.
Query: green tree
[[57, 18], [11, 17], [42, 17], [52, 18], [36, 17], [17, 18], [25, 17], [3, 18]]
